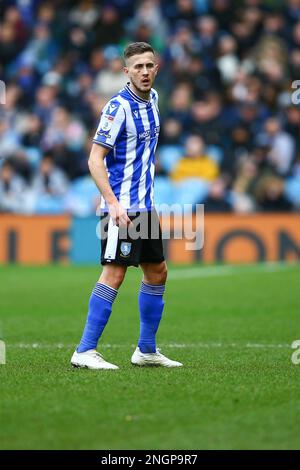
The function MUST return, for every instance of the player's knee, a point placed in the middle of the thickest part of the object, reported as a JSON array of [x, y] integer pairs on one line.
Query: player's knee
[[113, 277], [157, 276], [163, 274], [118, 279]]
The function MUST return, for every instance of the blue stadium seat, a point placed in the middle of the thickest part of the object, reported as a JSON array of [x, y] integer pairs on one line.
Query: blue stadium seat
[[292, 190], [163, 190], [215, 153], [190, 191], [47, 204], [33, 155], [82, 196], [169, 156]]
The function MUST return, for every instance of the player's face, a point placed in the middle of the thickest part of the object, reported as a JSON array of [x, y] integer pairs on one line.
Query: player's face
[[141, 70]]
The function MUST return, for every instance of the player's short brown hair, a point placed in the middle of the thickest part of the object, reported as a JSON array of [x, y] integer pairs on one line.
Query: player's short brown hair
[[137, 48]]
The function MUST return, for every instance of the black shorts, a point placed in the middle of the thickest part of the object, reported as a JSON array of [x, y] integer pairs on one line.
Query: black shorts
[[141, 243]]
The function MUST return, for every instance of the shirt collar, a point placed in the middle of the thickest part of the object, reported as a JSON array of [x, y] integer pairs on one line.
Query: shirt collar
[[135, 96]]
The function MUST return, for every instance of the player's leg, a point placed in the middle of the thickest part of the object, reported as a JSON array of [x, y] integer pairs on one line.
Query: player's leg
[[113, 275], [151, 303], [155, 273], [100, 307], [151, 306], [118, 251]]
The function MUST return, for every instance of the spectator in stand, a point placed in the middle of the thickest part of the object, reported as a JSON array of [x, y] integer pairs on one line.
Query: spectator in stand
[[227, 62], [46, 102], [207, 39], [9, 47], [180, 105], [239, 146], [196, 163], [109, 81], [49, 180], [108, 27], [33, 131], [12, 188], [216, 200], [207, 119], [84, 14], [226, 76], [9, 139], [292, 124], [243, 198], [270, 195], [282, 146]]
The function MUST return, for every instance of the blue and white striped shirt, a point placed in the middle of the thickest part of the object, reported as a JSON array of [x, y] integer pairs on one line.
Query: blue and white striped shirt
[[129, 126]]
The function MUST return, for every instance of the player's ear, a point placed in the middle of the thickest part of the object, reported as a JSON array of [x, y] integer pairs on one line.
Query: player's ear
[[125, 70]]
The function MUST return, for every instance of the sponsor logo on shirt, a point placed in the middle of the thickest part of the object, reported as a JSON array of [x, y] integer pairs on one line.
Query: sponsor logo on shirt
[[151, 133], [104, 133]]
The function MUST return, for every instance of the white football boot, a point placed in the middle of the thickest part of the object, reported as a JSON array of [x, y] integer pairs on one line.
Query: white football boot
[[91, 359], [152, 359]]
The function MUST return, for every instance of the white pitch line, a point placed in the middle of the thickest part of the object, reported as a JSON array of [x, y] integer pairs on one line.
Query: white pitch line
[[211, 345], [228, 270]]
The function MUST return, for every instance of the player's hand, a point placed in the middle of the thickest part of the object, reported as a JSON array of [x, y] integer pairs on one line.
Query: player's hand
[[119, 215]]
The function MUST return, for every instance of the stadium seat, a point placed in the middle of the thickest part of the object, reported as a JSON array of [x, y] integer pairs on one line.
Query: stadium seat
[[33, 155], [292, 190], [82, 196], [47, 204], [163, 191], [190, 192], [169, 156], [215, 153]]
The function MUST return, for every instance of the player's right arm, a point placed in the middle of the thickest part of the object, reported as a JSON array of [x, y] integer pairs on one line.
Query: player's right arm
[[111, 125], [99, 175]]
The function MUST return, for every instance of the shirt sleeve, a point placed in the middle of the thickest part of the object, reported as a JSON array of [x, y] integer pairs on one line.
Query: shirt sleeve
[[112, 123]]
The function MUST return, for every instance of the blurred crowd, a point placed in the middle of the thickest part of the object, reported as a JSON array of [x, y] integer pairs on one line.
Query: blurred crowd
[[230, 134]]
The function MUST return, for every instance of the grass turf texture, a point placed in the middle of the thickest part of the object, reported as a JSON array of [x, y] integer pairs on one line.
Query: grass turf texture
[[227, 396]]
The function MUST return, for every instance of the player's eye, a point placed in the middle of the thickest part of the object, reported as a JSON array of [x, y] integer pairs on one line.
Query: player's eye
[[141, 66]]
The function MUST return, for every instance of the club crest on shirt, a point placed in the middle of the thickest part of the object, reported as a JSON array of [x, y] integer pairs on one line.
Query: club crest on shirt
[[125, 248], [136, 114]]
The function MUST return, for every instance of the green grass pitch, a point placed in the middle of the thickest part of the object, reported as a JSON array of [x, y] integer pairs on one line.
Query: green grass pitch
[[232, 329]]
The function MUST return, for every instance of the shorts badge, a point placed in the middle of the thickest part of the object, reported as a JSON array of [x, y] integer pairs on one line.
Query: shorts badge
[[125, 248]]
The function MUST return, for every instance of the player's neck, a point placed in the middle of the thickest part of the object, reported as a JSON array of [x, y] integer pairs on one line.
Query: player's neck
[[140, 94]]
